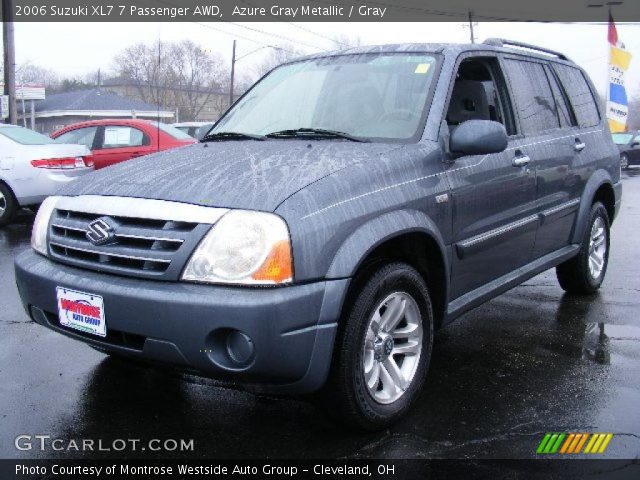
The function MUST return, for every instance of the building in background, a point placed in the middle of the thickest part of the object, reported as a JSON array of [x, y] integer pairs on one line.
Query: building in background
[[195, 104], [60, 109]]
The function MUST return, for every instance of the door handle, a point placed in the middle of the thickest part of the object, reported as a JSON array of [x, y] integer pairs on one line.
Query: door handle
[[579, 146], [521, 161]]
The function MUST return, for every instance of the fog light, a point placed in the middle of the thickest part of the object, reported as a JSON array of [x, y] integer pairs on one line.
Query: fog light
[[230, 349], [239, 347]]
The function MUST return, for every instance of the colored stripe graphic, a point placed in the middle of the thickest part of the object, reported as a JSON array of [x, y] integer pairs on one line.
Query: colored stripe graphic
[[572, 443]]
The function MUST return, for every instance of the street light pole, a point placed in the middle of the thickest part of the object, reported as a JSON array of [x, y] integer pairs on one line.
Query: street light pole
[[233, 72], [9, 58]]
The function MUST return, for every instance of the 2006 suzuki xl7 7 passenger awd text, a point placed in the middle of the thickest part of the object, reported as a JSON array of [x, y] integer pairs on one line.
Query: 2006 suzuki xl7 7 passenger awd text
[[344, 208]]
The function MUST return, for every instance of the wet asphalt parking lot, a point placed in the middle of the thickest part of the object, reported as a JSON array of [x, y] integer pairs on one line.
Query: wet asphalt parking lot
[[531, 361]]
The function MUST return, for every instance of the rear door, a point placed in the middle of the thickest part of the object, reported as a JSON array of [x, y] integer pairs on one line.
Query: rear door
[[634, 150], [550, 143], [119, 143]]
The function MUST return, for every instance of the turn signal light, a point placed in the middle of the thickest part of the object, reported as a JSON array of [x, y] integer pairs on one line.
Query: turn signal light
[[277, 267], [62, 163]]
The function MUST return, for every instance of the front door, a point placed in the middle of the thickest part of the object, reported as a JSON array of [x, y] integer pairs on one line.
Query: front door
[[493, 196]]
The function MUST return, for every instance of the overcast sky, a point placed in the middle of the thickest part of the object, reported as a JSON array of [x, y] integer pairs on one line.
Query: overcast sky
[[75, 49]]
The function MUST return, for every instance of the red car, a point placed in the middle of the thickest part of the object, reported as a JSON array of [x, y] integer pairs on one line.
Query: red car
[[113, 140]]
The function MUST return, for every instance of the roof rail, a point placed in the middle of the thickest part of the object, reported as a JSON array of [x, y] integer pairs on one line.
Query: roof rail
[[501, 42]]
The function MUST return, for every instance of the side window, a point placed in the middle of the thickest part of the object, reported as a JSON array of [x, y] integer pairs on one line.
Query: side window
[[479, 93], [580, 95], [532, 95], [121, 136], [564, 114], [81, 136]]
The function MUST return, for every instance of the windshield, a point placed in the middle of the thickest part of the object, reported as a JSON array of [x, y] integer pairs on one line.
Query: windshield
[[25, 136], [622, 138], [370, 96]]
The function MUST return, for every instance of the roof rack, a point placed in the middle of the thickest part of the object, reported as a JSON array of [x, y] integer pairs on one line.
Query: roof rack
[[501, 42]]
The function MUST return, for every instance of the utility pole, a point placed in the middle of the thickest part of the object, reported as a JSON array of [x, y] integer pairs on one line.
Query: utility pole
[[473, 37], [9, 58], [233, 72]]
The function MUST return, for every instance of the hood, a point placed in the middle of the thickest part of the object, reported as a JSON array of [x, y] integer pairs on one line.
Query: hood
[[250, 175]]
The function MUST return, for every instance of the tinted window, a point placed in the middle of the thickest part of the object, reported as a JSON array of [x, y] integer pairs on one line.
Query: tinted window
[[580, 96], [25, 136], [561, 103], [532, 95], [80, 136], [120, 136]]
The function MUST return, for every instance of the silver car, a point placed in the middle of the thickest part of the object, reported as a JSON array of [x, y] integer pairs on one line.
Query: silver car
[[33, 166]]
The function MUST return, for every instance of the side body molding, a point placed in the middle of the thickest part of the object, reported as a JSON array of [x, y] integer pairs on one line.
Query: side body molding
[[599, 178], [375, 232]]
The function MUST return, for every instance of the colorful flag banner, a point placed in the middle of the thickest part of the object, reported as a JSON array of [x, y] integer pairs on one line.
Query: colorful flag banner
[[617, 102]]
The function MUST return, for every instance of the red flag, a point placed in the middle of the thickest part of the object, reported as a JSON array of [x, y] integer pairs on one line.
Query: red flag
[[612, 35]]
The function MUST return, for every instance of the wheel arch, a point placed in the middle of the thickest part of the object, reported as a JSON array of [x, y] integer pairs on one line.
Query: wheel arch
[[599, 187], [406, 235]]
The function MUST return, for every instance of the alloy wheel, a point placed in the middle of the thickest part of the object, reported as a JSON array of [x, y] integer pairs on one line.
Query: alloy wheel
[[392, 347], [597, 248]]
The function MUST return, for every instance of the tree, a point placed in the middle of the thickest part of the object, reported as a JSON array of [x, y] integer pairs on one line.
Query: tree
[[180, 75], [29, 73], [197, 74], [147, 68]]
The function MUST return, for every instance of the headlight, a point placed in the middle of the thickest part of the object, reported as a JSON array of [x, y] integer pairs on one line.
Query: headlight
[[41, 225], [244, 247]]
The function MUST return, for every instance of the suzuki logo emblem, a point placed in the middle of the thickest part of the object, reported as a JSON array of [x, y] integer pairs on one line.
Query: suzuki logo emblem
[[101, 231]]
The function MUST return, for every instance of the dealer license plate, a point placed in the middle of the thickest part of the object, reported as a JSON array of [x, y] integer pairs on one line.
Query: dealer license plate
[[81, 311]]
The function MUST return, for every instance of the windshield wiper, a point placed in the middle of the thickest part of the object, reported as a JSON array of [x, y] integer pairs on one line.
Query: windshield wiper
[[315, 133], [214, 137]]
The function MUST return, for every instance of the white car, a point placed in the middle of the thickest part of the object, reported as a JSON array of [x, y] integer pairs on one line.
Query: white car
[[194, 129], [33, 166]]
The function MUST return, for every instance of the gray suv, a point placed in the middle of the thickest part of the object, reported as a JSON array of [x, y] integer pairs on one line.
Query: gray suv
[[345, 208]]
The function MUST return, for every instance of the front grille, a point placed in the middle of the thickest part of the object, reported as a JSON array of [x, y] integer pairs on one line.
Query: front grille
[[143, 245]]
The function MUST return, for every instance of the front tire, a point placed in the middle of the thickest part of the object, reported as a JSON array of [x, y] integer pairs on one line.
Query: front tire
[[382, 353], [8, 205], [584, 273]]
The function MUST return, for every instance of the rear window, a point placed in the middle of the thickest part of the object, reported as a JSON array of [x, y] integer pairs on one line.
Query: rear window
[[580, 95], [24, 136], [173, 131]]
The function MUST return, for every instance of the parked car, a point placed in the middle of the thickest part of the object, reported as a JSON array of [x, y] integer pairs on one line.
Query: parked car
[[629, 146], [113, 141], [33, 167], [196, 130], [346, 207]]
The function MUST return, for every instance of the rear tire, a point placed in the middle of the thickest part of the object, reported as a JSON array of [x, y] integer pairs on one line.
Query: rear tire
[[8, 205], [383, 350], [584, 273]]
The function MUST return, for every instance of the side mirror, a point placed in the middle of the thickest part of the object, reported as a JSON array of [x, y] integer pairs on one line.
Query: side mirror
[[478, 137], [635, 144]]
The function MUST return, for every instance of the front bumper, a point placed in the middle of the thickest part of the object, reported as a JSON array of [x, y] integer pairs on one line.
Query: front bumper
[[292, 329]]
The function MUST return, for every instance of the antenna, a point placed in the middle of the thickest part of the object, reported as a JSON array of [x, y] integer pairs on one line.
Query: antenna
[[158, 94]]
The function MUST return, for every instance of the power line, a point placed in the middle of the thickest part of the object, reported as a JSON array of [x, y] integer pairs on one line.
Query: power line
[[304, 29], [275, 35]]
